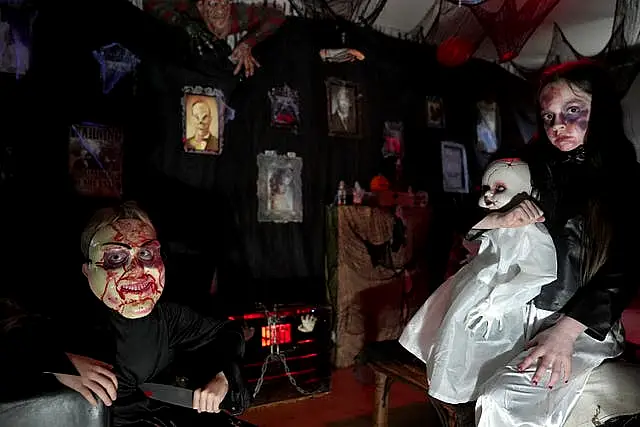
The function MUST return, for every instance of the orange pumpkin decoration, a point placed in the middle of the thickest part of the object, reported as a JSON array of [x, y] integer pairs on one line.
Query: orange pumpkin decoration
[[379, 183]]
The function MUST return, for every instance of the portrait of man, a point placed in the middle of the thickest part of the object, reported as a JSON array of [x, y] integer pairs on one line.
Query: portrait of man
[[342, 106], [201, 122]]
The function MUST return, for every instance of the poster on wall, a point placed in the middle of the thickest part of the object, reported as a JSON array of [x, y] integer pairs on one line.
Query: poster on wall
[[487, 132], [285, 108], [279, 188], [203, 118], [435, 112], [393, 145], [455, 174], [95, 160], [343, 109], [15, 38]]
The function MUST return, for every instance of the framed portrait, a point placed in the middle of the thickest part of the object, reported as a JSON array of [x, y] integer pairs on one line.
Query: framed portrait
[[435, 112], [393, 145], [343, 108], [95, 160], [487, 132], [455, 174], [203, 113], [16, 20], [279, 188], [285, 108]]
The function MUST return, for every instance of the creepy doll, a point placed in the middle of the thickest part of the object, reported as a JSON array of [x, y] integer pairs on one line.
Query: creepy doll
[[474, 323]]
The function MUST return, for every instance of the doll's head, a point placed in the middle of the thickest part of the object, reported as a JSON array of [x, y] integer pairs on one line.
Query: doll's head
[[123, 261], [502, 181]]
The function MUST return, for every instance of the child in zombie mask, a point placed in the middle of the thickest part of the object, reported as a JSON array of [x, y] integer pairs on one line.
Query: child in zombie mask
[[209, 22], [474, 323], [126, 272]]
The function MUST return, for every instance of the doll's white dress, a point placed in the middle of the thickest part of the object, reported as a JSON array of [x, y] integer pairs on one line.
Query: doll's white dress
[[511, 267]]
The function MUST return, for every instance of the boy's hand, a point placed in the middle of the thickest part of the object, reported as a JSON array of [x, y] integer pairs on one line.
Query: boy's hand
[[208, 399], [94, 376]]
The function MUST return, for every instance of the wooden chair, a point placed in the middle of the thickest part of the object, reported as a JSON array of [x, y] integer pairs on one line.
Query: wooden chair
[[391, 362]]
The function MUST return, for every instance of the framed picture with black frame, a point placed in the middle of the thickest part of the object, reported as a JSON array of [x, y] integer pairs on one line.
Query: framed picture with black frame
[[455, 173], [344, 110]]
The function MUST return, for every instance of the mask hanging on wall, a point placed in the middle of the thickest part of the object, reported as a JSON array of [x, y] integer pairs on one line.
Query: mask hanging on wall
[[393, 145], [285, 108], [115, 63]]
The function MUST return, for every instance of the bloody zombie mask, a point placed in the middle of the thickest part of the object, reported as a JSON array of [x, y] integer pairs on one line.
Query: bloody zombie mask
[[565, 112], [502, 181], [126, 270]]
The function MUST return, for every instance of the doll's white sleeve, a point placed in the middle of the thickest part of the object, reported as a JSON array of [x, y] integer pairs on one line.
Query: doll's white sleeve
[[536, 263]]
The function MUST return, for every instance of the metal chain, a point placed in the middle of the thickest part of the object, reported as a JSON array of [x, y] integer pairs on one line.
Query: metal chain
[[283, 359], [277, 355]]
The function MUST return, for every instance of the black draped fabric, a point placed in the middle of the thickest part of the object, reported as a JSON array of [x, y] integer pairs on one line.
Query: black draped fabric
[[205, 207]]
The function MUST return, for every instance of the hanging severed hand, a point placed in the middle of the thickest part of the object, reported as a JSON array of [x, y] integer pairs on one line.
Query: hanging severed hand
[[242, 57]]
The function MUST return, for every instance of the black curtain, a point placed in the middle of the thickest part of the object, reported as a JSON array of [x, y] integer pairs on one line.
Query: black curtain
[[205, 207]]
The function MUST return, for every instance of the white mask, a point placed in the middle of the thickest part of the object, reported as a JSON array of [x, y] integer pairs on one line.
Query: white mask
[[502, 181]]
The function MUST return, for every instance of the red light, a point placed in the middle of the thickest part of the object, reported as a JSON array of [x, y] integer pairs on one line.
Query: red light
[[276, 334]]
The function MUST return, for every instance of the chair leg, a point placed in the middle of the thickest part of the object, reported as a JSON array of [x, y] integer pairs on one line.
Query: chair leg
[[381, 404]]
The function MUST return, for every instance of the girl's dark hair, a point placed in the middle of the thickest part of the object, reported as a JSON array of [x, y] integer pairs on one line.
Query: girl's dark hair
[[609, 157]]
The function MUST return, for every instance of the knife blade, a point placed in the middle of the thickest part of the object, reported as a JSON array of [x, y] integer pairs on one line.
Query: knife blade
[[169, 394]]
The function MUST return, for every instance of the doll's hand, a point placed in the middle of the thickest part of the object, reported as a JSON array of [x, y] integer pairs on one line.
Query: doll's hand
[[308, 323], [94, 376], [208, 399], [242, 57], [483, 314]]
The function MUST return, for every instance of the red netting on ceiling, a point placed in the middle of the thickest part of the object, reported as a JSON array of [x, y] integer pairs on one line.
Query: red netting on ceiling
[[509, 27]]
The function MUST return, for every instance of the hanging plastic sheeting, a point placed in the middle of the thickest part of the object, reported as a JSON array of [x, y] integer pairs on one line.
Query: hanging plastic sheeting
[[509, 27], [115, 63]]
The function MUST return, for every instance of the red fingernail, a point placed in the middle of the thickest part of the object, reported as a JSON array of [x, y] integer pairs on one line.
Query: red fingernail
[[566, 381], [534, 382], [550, 387]]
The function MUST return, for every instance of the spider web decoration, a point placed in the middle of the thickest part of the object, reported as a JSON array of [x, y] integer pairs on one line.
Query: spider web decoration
[[115, 63], [450, 20], [559, 51], [363, 12], [623, 62], [509, 27], [466, 2]]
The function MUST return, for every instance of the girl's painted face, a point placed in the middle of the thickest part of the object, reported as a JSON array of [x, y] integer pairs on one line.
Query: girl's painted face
[[565, 112], [126, 271], [502, 181]]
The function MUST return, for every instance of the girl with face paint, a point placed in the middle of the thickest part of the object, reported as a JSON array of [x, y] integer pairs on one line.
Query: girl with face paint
[[472, 325], [583, 167]]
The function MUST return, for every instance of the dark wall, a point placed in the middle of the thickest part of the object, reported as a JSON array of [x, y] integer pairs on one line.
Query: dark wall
[[205, 206]]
